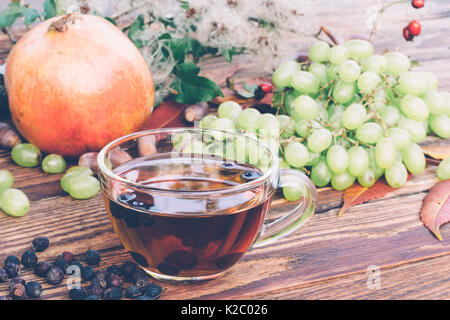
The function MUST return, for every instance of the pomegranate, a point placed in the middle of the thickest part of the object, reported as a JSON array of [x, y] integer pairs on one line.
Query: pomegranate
[[75, 83]]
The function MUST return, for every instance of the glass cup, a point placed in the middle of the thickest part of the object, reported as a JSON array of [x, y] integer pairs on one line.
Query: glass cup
[[187, 203]]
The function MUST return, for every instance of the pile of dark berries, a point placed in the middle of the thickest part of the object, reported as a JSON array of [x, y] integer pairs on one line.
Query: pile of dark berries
[[112, 283]]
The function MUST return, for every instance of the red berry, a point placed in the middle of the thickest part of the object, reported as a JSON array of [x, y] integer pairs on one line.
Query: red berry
[[414, 27], [418, 3], [407, 35], [266, 87]]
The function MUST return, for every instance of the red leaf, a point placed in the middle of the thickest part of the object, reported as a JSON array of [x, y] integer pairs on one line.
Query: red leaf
[[436, 207], [168, 114], [357, 194]]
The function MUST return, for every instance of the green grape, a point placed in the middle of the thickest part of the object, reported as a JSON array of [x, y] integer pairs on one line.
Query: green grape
[[367, 179], [337, 159], [379, 95], [282, 76], [358, 161], [194, 146], [14, 202], [432, 80], [412, 83], [206, 121], [222, 124], [319, 140], [373, 163], [343, 92], [289, 101], [446, 96], [376, 63], [368, 81], [401, 137], [321, 174], [229, 110], [354, 116], [397, 175], [369, 133], [268, 126], [305, 82], [332, 72], [397, 63], [342, 181], [440, 125], [414, 108], [413, 158], [349, 71], [314, 158], [390, 116], [323, 114], [319, 51], [443, 170], [292, 193], [83, 187], [359, 49], [282, 164], [6, 180], [385, 153], [435, 101], [320, 71], [248, 119], [296, 154], [53, 163], [306, 107], [338, 54], [302, 128], [379, 107], [26, 155], [414, 128], [287, 126]]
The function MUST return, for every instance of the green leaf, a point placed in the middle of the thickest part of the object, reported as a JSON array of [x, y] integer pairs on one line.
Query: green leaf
[[49, 9], [178, 48], [7, 18], [14, 11], [135, 31], [192, 88], [228, 54], [111, 20], [30, 15]]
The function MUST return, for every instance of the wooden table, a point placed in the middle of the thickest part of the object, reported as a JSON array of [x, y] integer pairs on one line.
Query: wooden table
[[329, 258]]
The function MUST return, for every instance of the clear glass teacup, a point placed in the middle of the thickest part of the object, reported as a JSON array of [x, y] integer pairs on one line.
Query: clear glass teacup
[[188, 203]]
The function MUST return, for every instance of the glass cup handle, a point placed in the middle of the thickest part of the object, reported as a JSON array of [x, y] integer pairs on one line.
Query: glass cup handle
[[295, 218]]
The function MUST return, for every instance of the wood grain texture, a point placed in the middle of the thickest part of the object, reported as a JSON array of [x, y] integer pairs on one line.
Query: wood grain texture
[[329, 257]]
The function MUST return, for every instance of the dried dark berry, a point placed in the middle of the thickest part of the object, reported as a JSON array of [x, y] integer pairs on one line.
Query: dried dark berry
[[12, 269], [250, 175], [3, 276], [55, 275], [126, 197], [144, 298], [182, 259], [128, 269], [17, 280], [29, 258], [77, 294], [132, 220], [117, 211], [97, 290], [67, 256], [17, 291], [12, 259], [92, 297], [60, 263], [114, 269], [132, 292], [139, 258], [92, 257], [168, 268], [113, 294], [42, 268], [153, 291], [4, 298], [40, 243], [114, 280], [141, 279], [145, 219], [73, 267], [87, 273], [100, 278], [33, 289]]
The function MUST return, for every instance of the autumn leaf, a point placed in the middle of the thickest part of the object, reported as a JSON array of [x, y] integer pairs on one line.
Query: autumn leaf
[[439, 152], [436, 207], [357, 194], [169, 114]]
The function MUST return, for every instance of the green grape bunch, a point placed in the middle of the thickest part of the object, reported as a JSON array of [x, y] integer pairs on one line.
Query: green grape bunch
[[347, 115]]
